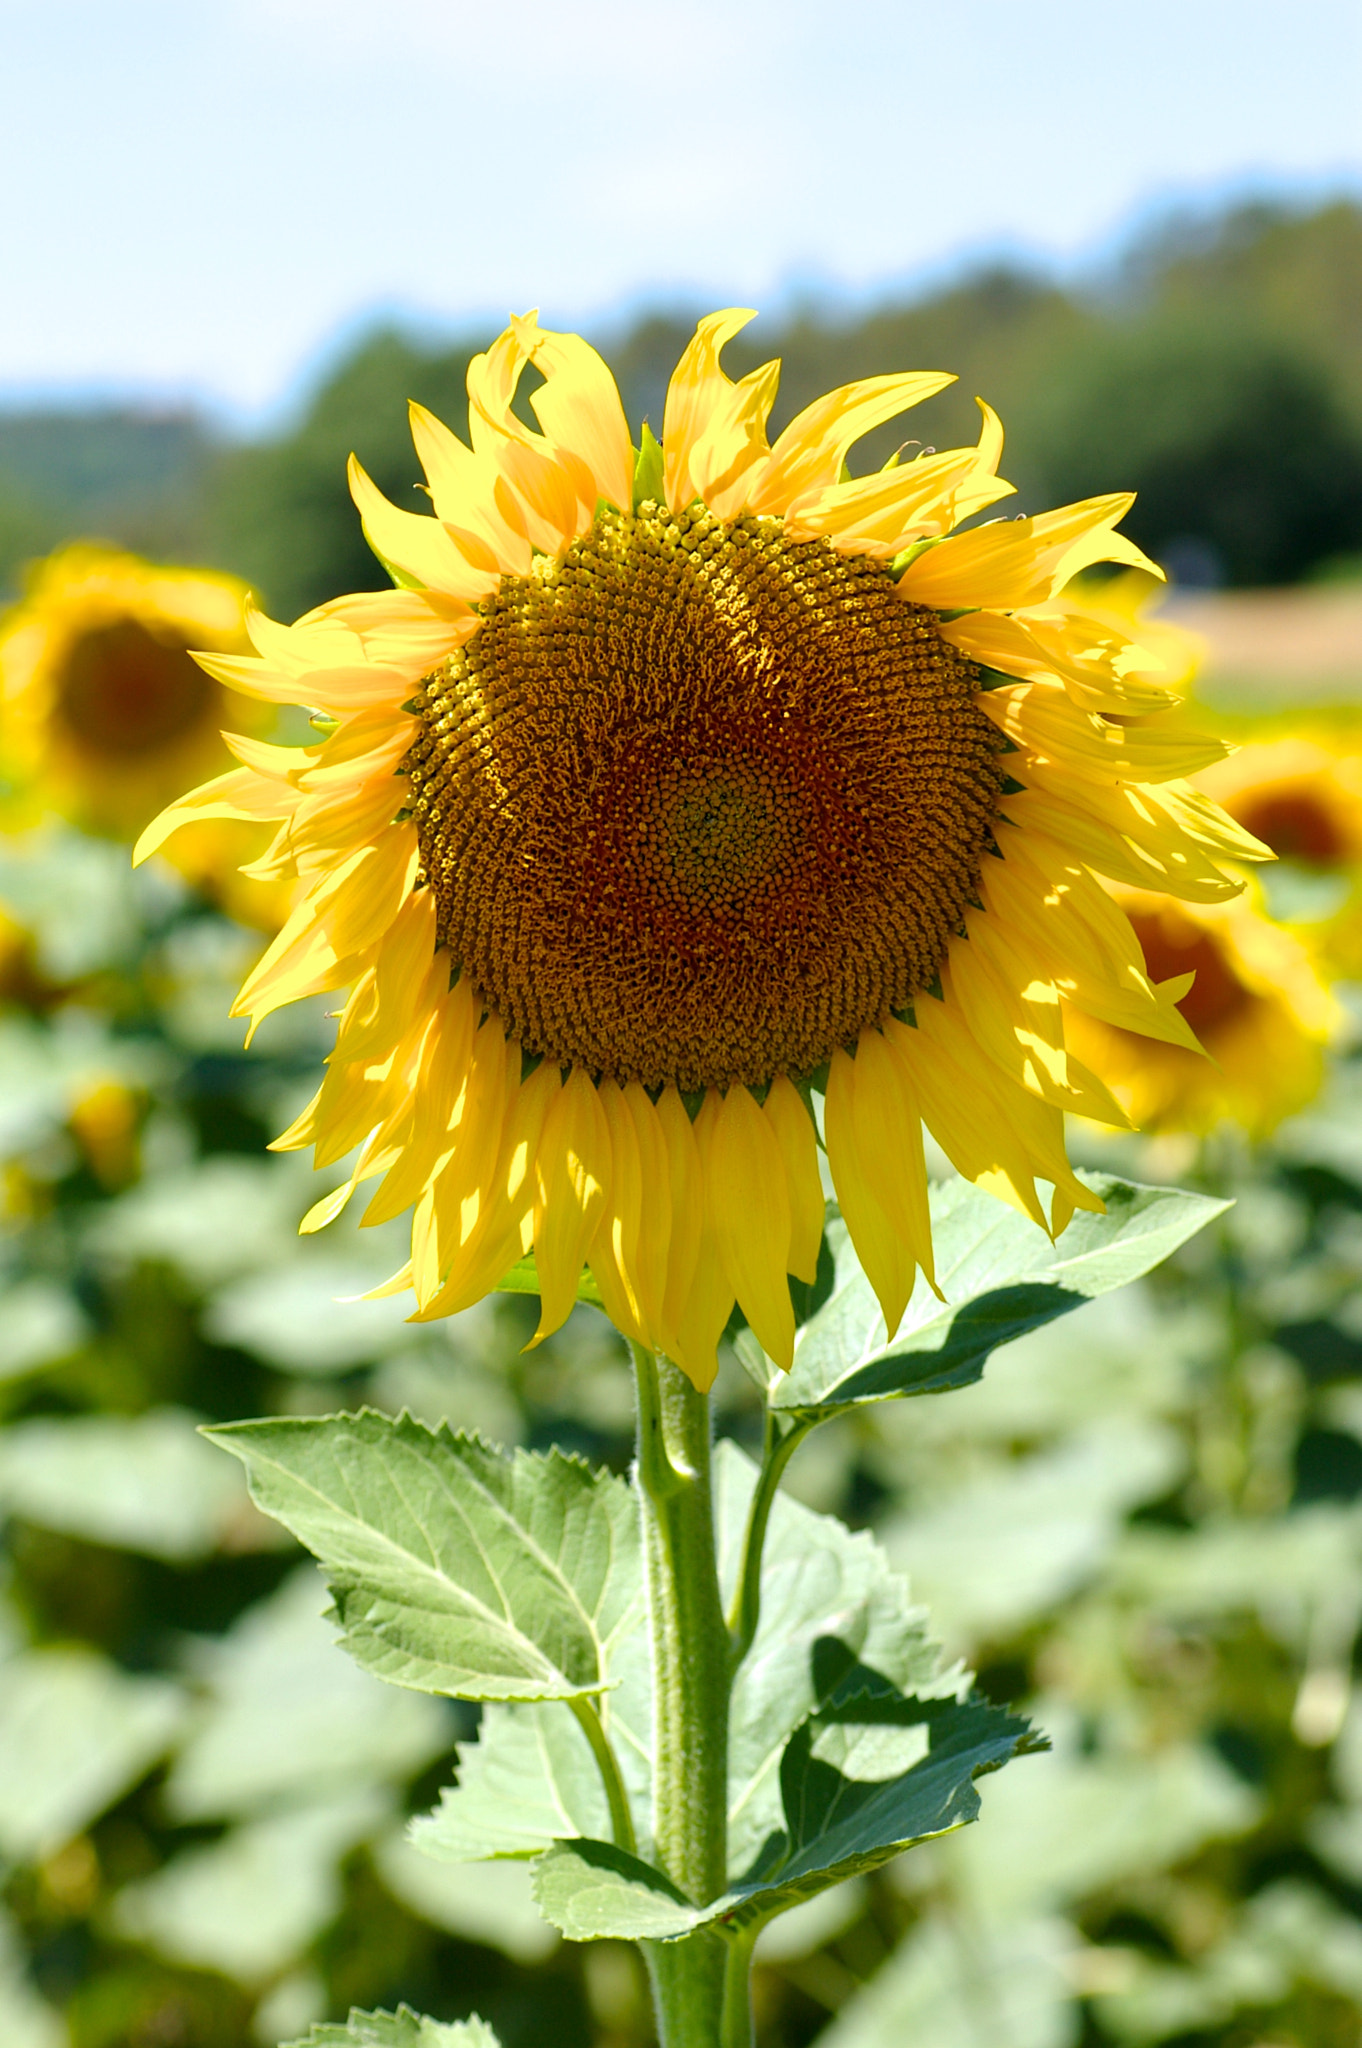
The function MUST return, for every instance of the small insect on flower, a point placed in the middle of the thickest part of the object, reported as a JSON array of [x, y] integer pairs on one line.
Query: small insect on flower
[[675, 787]]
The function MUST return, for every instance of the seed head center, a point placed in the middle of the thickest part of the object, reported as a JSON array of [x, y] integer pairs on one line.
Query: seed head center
[[700, 801]]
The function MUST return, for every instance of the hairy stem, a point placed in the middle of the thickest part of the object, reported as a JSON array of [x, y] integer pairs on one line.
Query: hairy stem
[[691, 1683]]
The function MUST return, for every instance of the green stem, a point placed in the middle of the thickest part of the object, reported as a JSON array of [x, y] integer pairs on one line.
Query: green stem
[[621, 1820], [690, 1690], [702, 1989], [745, 1614]]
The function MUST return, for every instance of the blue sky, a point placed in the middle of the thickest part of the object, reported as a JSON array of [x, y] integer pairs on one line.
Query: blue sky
[[203, 196]]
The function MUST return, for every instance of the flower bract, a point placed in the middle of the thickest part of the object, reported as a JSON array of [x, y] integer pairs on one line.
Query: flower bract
[[685, 808]]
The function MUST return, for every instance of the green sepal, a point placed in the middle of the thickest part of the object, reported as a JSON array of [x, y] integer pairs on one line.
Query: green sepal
[[910, 554], [403, 578], [523, 1278], [401, 2029], [649, 479], [1001, 1276], [454, 1568]]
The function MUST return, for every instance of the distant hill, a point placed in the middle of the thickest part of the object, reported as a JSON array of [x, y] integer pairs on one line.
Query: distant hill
[[1216, 367], [109, 472]]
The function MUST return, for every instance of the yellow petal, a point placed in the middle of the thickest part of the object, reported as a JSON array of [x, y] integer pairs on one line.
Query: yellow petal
[[422, 547], [241, 793], [686, 1212], [745, 1194], [573, 1182], [578, 406], [448, 1075], [463, 490], [1021, 561], [879, 515], [785, 1111], [887, 1118], [345, 912], [1014, 1014], [465, 1169], [888, 1263], [401, 974], [728, 452], [708, 1302], [651, 1257], [1040, 719], [502, 1228], [809, 454], [698, 387], [1037, 648], [612, 1255], [963, 1109], [408, 630]]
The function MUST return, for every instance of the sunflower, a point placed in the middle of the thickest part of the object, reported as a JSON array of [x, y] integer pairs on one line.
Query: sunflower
[[1256, 1000], [1296, 784], [684, 806], [105, 712]]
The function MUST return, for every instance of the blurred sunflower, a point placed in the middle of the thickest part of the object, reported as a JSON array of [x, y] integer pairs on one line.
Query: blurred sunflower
[[670, 787], [105, 714], [1296, 784], [1254, 997]]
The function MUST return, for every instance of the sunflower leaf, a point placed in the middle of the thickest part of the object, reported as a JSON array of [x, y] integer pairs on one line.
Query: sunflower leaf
[[529, 1779], [454, 1568], [872, 1773], [829, 1598], [1001, 1277], [401, 2029]]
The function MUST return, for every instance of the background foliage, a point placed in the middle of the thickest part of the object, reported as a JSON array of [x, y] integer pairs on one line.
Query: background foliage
[[1215, 369]]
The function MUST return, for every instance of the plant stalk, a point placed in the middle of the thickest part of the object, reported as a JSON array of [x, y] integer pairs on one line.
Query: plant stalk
[[745, 1615], [690, 1644]]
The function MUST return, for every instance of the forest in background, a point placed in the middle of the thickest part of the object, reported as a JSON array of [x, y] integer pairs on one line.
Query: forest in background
[[1215, 368]]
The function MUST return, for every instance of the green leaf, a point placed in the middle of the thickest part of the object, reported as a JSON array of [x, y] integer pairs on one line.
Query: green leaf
[[76, 1734], [868, 1776], [489, 1903], [251, 1903], [285, 1717], [401, 2029], [527, 1781], [1001, 1277], [649, 480], [828, 1597], [146, 1482], [454, 1568]]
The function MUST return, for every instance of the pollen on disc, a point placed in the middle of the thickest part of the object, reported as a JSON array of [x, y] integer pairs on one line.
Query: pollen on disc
[[699, 802]]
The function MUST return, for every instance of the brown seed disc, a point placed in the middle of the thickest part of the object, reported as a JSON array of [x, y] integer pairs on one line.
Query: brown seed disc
[[124, 690], [699, 802]]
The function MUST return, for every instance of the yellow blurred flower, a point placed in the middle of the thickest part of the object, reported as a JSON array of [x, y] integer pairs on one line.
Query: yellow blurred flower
[[672, 784], [1296, 784], [105, 712], [104, 1123], [1252, 992]]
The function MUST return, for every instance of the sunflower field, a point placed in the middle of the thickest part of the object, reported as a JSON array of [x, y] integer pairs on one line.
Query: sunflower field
[[1141, 1527]]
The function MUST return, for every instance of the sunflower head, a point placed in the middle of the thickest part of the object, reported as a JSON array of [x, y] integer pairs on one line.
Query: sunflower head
[[1296, 784], [105, 712], [1254, 994], [690, 809]]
